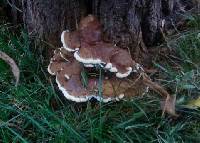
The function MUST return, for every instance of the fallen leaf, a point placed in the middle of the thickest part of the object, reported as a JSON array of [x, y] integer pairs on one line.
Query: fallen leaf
[[13, 65], [168, 105], [194, 103]]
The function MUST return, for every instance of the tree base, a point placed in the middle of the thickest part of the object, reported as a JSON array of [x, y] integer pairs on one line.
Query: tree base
[[124, 22]]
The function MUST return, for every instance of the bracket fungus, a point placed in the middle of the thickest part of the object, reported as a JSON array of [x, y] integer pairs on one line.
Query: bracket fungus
[[89, 48], [68, 77], [84, 51]]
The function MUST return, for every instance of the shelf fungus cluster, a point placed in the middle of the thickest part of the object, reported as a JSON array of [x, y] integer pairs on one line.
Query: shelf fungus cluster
[[88, 67]]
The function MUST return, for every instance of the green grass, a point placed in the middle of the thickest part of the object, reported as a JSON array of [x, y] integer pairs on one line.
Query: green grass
[[35, 111]]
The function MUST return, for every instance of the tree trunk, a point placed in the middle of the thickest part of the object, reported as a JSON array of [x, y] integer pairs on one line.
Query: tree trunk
[[126, 22]]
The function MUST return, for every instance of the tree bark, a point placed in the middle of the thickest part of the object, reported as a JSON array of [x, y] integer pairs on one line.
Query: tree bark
[[126, 23]]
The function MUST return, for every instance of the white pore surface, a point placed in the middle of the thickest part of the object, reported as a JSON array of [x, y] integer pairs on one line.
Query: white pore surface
[[120, 97], [89, 62], [66, 47], [86, 98], [122, 75], [89, 65], [113, 69], [66, 76], [110, 67], [86, 61], [48, 69]]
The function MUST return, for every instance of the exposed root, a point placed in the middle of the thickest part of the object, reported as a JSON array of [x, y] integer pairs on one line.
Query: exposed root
[[13, 65]]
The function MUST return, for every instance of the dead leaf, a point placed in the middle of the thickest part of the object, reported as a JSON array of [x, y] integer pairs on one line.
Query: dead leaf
[[168, 105], [13, 65]]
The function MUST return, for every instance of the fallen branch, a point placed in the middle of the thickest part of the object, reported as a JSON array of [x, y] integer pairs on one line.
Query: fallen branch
[[13, 65]]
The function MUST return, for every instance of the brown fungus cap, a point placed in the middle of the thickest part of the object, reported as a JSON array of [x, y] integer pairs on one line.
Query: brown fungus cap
[[115, 88], [90, 49], [90, 29], [113, 58], [70, 40], [72, 88], [56, 62], [68, 77]]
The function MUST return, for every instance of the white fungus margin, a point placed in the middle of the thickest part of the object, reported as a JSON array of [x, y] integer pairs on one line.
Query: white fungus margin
[[86, 98], [66, 47]]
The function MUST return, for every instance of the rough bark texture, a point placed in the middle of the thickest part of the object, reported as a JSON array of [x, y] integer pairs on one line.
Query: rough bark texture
[[47, 18], [126, 22]]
